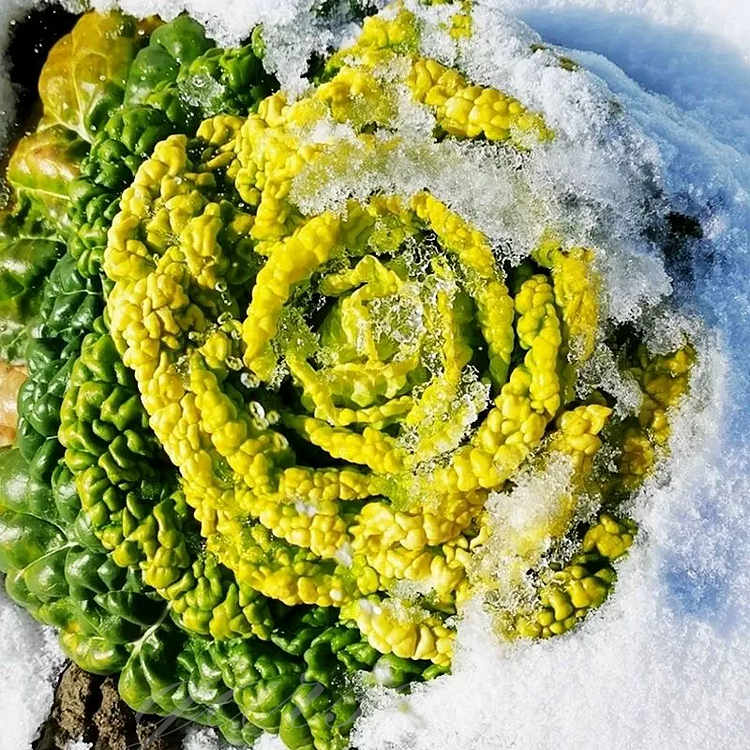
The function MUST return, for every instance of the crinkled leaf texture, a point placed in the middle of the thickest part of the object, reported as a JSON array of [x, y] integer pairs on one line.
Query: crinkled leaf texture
[[236, 550], [171, 46], [25, 261]]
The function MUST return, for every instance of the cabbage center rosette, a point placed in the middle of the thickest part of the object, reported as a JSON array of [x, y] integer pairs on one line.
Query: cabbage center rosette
[[342, 390], [351, 370]]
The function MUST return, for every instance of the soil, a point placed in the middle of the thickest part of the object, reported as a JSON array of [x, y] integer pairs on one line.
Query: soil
[[87, 707]]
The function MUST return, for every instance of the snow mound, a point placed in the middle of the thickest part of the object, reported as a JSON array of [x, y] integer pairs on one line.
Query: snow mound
[[30, 662]]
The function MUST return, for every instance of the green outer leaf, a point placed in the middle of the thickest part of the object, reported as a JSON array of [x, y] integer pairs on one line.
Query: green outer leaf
[[95, 654], [246, 686], [172, 45], [24, 539], [25, 262], [19, 492], [42, 167], [229, 81], [99, 608], [84, 77], [55, 565]]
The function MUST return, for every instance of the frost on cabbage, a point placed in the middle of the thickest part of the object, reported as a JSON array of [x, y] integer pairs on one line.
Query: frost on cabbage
[[299, 390]]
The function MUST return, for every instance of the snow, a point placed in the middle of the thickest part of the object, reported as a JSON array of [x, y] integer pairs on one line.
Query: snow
[[203, 738], [30, 662], [666, 663], [715, 20], [693, 52], [519, 521], [269, 742]]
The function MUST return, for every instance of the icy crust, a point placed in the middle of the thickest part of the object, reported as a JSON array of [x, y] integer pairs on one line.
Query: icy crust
[[584, 184], [228, 23], [587, 182], [292, 31], [514, 520], [203, 738]]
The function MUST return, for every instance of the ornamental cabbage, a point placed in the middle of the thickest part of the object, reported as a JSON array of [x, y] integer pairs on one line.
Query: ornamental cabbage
[[261, 427]]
